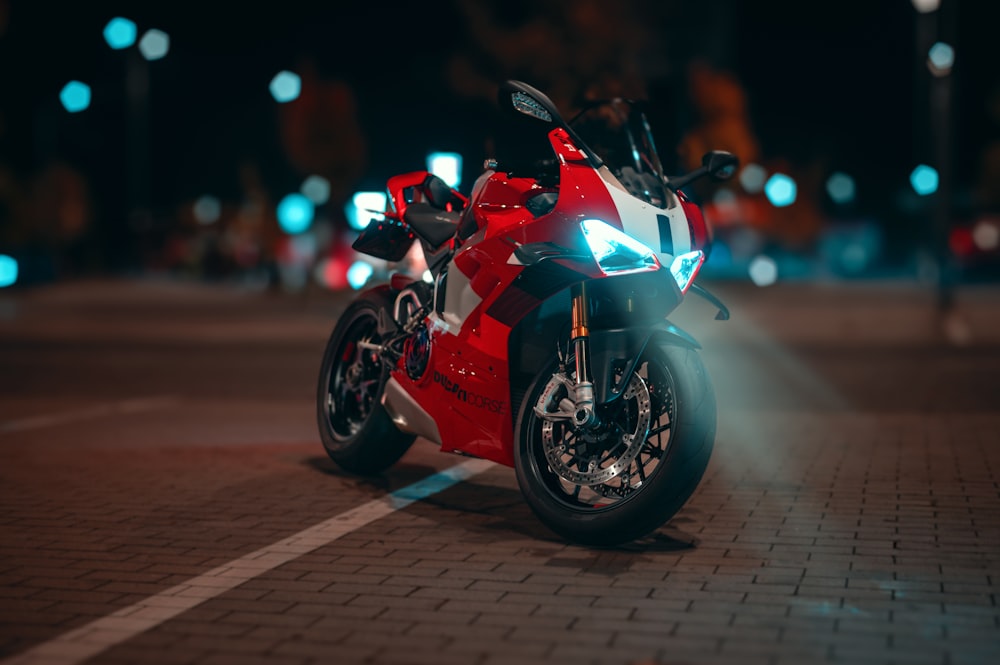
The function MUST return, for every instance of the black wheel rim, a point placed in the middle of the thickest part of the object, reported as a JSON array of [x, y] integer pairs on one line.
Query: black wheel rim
[[354, 378], [638, 474]]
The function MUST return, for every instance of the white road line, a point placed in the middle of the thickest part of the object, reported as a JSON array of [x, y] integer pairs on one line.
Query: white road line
[[87, 641], [98, 411]]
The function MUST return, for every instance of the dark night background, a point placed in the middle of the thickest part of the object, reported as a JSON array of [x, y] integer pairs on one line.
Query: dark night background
[[835, 86]]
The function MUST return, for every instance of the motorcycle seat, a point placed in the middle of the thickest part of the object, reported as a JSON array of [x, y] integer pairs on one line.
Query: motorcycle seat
[[431, 223]]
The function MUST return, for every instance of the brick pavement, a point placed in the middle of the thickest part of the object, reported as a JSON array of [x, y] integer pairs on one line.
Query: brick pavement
[[827, 529]]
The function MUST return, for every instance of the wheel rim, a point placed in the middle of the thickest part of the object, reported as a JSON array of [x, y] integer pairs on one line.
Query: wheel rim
[[354, 379], [598, 471]]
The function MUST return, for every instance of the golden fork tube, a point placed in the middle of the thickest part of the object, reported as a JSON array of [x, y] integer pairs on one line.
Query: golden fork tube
[[584, 415], [580, 315]]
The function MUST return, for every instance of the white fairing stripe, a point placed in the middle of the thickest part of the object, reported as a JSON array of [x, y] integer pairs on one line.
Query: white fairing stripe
[[459, 299], [642, 220]]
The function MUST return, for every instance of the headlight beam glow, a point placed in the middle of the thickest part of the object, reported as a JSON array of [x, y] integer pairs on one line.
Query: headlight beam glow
[[614, 250]]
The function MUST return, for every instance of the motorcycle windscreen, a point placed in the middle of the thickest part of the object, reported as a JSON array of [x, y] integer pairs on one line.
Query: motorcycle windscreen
[[388, 239]]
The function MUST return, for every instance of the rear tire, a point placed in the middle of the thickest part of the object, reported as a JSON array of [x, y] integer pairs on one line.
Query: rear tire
[[675, 391], [356, 431]]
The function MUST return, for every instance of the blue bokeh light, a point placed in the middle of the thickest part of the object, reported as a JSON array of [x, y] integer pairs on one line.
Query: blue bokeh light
[[295, 213], [119, 33], [8, 270], [841, 188], [154, 45], [780, 190], [75, 96], [285, 86], [941, 58], [924, 180], [359, 209], [359, 273], [447, 166]]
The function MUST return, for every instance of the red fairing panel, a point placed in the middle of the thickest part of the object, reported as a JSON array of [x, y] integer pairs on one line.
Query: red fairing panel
[[466, 388]]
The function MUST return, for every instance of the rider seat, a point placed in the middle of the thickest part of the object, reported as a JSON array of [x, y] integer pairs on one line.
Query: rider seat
[[432, 221]]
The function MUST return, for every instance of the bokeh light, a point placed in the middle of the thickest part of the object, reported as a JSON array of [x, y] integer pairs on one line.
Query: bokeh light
[[331, 273], [841, 188], [359, 209], [75, 96], [940, 58], [986, 235], [317, 189], [285, 86], [763, 270], [8, 270], [447, 166], [295, 213], [724, 197], [752, 178], [120, 33], [926, 6], [780, 190], [207, 209], [924, 180], [154, 45], [359, 273]]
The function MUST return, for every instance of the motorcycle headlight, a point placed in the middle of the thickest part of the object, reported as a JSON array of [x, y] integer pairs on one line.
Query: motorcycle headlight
[[685, 266], [614, 250]]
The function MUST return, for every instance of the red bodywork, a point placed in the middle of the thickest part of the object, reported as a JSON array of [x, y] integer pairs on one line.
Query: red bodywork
[[466, 387]]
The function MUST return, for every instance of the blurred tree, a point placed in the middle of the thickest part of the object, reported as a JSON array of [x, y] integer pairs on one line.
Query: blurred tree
[[568, 48], [721, 119], [321, 133], [988, 180]]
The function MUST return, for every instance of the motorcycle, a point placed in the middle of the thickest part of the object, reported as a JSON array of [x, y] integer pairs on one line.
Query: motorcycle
[[541, 340]]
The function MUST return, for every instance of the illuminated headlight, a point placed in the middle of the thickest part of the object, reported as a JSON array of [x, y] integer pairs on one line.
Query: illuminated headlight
[[684, 267], [614, 250]]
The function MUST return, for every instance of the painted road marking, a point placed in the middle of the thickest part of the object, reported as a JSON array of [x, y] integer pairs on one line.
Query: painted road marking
[[87, 641], [112, 409]]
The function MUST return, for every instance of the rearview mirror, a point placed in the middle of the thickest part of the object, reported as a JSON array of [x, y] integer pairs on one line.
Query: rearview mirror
[[528, 105], [720, 164]]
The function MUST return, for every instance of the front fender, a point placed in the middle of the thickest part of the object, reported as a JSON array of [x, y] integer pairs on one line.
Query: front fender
[[615, 353]]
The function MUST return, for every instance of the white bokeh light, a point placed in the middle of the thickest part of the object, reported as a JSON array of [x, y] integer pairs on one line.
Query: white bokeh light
[[207, 209], [155, 44], [316, 188], [986, 235], [763, 270], [753, 177], [447, 166]]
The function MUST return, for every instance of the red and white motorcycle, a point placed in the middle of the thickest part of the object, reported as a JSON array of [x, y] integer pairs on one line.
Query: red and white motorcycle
[[542, 341]]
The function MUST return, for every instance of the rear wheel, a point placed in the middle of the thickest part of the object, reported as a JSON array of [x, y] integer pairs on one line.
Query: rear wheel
[[624, 478], [356, 431]]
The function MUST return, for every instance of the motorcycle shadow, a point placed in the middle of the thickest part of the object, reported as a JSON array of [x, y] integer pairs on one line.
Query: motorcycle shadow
[[488, 512]]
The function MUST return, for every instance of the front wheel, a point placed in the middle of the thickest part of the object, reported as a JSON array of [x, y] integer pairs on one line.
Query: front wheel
[[357, 432], [618, 481]]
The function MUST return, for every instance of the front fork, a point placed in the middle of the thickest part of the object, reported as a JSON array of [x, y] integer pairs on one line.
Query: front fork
[[577, 404], [584, 414]]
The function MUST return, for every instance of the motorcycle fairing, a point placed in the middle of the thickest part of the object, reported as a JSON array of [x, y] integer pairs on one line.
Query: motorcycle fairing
[[466, 389]]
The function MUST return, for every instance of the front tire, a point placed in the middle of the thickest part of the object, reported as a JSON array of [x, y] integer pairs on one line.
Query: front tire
[[654, 443], [356, 431]]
